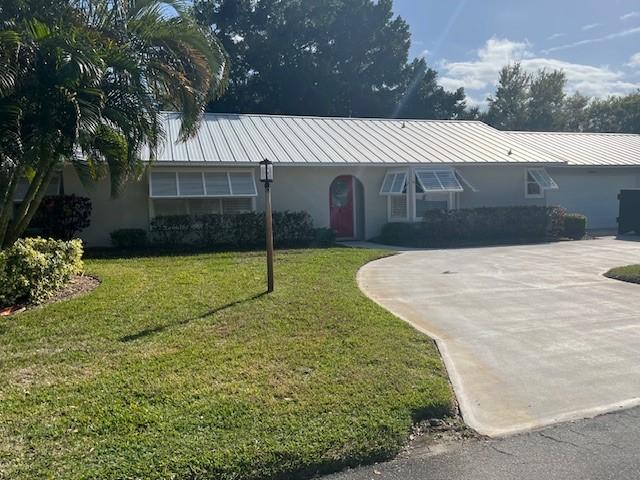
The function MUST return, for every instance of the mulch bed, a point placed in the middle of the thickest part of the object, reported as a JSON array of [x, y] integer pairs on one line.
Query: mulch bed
[[78, 285]]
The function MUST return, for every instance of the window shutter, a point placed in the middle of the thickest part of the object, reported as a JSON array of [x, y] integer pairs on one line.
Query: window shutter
[[163, 184], [190, 184], [242, 183], [217, 184]]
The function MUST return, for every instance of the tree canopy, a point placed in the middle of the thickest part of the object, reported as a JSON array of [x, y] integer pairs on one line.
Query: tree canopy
[[85, 84], [326, 57], [538, 102]]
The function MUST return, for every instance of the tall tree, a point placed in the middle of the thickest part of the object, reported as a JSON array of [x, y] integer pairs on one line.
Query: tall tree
[[546, 101], [508, 108], [326, 57], [95, 79], [423, 97], [615, 114], [575, 112]]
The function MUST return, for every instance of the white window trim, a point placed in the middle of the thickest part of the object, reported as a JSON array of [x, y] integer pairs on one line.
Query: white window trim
[[450, 170], [392, 172], [462, 179], [543, 189], [204, 187], [452, 202], [390, 218], [390, 196]]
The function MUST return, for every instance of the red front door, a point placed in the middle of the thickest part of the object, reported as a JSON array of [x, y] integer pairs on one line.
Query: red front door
[[341, 206]]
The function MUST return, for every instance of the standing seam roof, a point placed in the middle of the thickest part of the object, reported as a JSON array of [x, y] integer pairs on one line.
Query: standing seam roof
[[586, 149], [239, 138]]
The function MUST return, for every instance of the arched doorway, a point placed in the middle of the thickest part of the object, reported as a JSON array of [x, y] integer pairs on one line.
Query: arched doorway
[[346, 207]]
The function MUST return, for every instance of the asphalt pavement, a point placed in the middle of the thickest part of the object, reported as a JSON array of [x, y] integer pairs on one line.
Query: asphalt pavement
[[601, 448]]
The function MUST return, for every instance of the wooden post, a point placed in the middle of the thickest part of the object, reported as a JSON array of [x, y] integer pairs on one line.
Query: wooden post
[[269, 228]]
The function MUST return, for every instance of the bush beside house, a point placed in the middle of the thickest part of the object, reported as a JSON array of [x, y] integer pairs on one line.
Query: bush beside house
[[575, 226], [486, 224], [61, 217], [33, 269], [291, 229]]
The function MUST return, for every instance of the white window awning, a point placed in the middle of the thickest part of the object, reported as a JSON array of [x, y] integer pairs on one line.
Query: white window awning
[[194, 184], [438, 180], [394, 183], [542, 178]]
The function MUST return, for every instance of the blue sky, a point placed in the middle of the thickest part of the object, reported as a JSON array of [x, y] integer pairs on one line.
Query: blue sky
[[596, 42]]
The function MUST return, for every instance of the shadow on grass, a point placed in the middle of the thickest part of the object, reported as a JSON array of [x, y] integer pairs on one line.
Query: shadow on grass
[[161, 328]]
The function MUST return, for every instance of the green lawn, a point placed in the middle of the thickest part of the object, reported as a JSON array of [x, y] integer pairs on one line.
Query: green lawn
[[629, 273], [177, 367]]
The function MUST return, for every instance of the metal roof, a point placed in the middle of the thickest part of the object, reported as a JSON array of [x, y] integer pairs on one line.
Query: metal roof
[[240, 139], [588, 149]]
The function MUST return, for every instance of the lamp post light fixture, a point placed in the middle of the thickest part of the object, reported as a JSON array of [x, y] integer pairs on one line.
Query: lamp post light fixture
[[266, 177]]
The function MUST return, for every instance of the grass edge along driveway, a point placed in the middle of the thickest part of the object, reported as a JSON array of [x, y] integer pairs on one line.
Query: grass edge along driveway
[[628, 273], [179, 367]]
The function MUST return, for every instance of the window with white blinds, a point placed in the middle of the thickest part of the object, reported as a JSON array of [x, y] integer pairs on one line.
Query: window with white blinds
[[193, 184], [398, 207]]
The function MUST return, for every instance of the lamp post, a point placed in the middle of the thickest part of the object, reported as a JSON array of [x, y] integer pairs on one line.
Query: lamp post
[[266, 177]]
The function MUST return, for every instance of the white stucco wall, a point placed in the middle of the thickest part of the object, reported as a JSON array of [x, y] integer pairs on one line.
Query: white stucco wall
[[592, 191], [589, 191], [307, 188], [497, 185], [129, 210]]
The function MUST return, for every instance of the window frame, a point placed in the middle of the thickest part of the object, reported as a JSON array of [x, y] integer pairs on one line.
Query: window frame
[[543, 189], [395, 172], [203, 171], [390, 199], [435, 171]]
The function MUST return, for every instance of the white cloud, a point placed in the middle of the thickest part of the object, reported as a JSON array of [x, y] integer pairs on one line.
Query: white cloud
[[634, 61], [424, 53], [588, 41], [480, 75], [629, 16], [555, 36], [591, 26]]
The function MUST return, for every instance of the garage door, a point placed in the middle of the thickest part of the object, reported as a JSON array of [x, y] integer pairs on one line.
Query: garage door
[[592, 194]]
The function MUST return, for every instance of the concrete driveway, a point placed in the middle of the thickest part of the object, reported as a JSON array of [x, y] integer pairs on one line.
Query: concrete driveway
[[531, 335]]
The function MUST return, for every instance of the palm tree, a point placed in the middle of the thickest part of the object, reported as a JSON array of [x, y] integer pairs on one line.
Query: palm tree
[[87, 89]]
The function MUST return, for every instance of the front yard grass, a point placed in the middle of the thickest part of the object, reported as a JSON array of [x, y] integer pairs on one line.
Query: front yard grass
[[177, 367], [629, 273]]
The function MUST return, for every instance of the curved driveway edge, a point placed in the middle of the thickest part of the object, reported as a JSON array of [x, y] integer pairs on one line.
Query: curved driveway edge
[[530, 335]]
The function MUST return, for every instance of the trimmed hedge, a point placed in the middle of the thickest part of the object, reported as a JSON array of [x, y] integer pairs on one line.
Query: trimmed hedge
[[129, 238], [575, 226], [477, 225], [33, 269], [291, 229]]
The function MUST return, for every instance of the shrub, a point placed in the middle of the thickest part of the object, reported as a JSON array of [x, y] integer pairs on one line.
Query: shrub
[[62, 216], [33, 269], [477, 224], [292, 229], [575, 225], [129, 238], [172, 230], [234, 230], [324, 237]]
